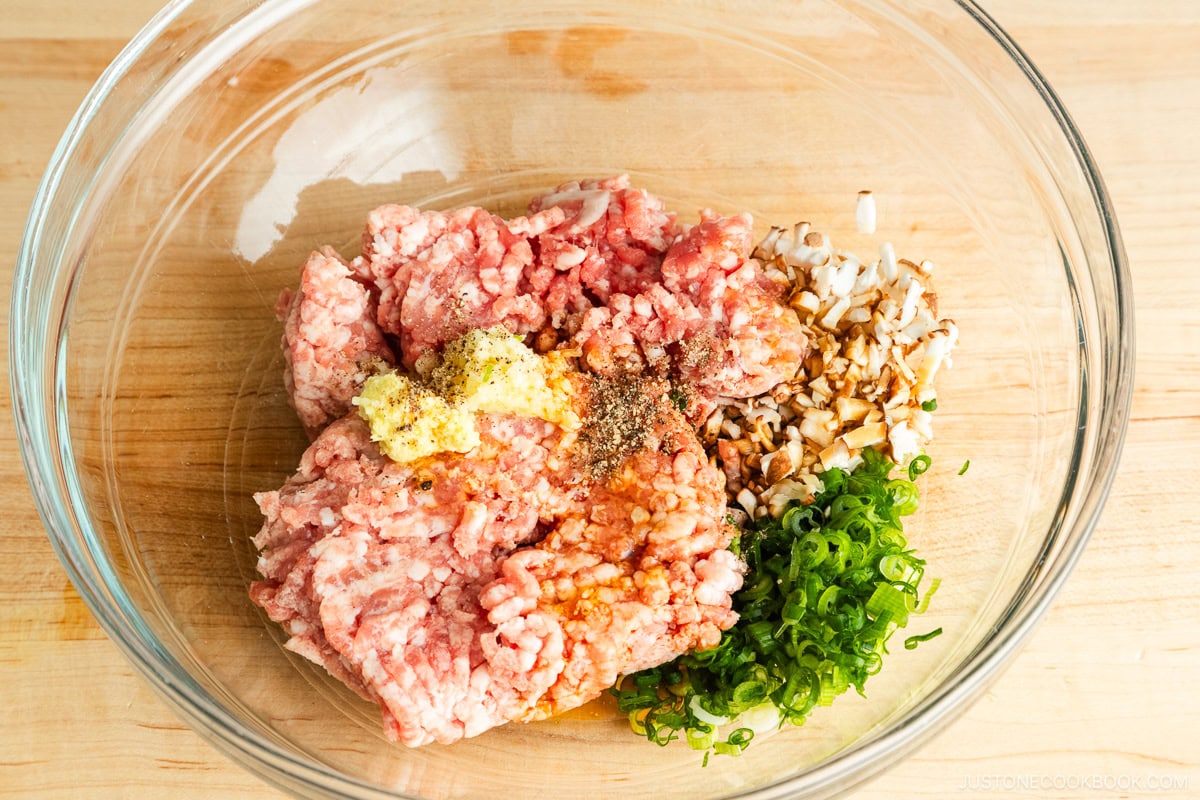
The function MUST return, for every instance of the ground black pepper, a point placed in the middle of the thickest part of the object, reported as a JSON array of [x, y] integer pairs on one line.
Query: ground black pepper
[[620, 411]]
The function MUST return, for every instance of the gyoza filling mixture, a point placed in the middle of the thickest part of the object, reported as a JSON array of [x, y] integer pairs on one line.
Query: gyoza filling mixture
[[593, 449]]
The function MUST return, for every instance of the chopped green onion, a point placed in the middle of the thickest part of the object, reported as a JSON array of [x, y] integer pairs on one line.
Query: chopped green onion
[[760, 636], [929, 405], [933, 587], [700, 739], [904, 496], [828, 597], [795, 607], [748, 694], [728, 749], [678, 398], [828, 693], [911, 642], [741, 738], [918, 466], [965, 466], [894, 566], [888, 598]]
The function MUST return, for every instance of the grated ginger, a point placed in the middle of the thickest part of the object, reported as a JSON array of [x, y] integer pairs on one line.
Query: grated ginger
[[482, 371]]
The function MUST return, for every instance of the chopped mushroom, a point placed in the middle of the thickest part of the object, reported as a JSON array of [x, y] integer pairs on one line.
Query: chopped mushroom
[[878, 345]]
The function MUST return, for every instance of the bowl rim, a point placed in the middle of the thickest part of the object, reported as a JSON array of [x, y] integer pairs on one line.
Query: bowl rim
[[29, 340]]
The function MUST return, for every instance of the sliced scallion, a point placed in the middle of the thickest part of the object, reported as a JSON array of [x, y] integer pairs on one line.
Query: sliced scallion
[[911, 642]]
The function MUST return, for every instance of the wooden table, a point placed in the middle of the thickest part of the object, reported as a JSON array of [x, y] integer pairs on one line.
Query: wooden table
[[1103, 702]]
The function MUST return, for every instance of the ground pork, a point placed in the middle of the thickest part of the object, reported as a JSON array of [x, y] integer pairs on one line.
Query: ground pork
[[518, 580], [463, 591], [711, 312], [597, 265], [331, 342], [635, 575]]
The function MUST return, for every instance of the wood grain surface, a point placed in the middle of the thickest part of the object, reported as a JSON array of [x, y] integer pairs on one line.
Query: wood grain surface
[[1102, 702]]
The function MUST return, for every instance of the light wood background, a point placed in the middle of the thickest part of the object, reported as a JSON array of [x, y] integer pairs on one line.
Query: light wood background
[[1103, 702]]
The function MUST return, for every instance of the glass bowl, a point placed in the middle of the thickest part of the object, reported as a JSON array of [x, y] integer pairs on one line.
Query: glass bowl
[[230, 138]]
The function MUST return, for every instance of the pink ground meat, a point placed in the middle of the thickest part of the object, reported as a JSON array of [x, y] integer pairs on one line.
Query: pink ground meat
[[439, 275], [599, 265], [512, 582], [463, 591], [635, 576], [331, 342], [712, 313]]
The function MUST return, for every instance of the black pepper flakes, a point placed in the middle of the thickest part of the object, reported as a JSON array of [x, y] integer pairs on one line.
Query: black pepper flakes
[[619, 413]]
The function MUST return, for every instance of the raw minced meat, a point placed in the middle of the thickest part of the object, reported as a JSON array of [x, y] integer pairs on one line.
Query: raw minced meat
[[598, 265], [521, 578], [463, 591], [711, 313], [331, 342]]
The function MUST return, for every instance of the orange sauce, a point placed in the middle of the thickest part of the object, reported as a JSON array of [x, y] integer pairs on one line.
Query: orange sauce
[[603, 708]]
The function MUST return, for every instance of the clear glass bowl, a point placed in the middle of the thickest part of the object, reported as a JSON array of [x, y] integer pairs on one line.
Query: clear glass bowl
[[230, 138]]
